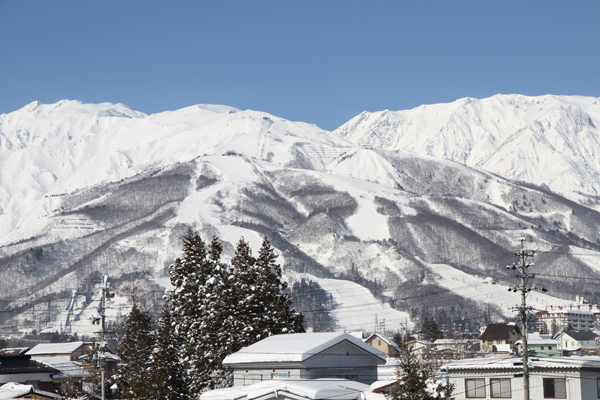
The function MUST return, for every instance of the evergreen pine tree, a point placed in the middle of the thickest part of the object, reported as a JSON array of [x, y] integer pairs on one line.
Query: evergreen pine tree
[[430, 330], [273, 304], [414, 376], [213, 335], [135, 350], [216, 309], [167, 373], [244, 287], [188, 274]]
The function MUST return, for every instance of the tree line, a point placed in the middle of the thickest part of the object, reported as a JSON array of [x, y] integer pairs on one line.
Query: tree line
[[214, 310]]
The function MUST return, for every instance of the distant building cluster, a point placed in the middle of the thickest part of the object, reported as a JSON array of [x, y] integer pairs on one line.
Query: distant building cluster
[[579, 316]]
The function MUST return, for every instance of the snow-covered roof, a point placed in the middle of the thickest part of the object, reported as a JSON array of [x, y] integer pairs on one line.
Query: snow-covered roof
[[517, 363], [327, 388], [533, 338], [295, 347], [503, 348], [385, 339], [55, 348], [13, 390], [451, 341], [68, 369]]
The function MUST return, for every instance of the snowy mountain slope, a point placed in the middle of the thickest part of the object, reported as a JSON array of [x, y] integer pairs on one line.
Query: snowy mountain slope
[[50, 150], [554, 140], [400, 224]]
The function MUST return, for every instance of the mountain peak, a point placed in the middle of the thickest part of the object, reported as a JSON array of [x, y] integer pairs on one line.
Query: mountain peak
[[483, 133]]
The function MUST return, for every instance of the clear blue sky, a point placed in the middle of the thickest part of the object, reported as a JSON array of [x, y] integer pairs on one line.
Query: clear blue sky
[[321, 62]]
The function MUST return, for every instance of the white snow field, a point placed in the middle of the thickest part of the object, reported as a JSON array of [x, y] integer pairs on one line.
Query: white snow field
[[546, 139], [355, 308], [380, 162]]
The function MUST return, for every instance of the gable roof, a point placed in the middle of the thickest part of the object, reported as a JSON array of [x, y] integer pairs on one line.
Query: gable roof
[[499, 331], [537, 339], [13, 390], [55, 348], [295, 347], [579, 335], [385, 339]]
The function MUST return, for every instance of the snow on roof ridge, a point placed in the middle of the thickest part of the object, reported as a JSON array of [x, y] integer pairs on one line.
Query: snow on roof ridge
[[295, 347], [385, 339], [48, 348]]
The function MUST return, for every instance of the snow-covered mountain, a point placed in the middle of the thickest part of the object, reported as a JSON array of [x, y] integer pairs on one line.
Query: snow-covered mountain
[[93, 189], [552, 140]]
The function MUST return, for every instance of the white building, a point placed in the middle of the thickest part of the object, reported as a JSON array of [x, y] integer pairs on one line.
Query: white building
[[573, 378], [577, 342], [580, 315], [306, 356]]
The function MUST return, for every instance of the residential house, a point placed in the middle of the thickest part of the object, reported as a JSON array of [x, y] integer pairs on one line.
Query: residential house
[[306, 356], [70, 351], [572, 378], [577, 343], [539, 346], [69, 379], [420, 348], [500, 333], [18, 367], [385, 344], [454, 349]]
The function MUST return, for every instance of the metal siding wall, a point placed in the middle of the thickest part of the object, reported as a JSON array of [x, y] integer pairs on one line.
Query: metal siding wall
[[589, 389], [239, 376], [573, 385]]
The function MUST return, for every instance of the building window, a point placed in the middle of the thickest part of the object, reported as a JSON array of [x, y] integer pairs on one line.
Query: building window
[[500, 388], [555, 388], [252, 379], [277, 375], [475, 388], [351, 377]]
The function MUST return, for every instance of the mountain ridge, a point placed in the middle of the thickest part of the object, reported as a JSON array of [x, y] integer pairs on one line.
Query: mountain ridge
[[492, 132], [113, 191]]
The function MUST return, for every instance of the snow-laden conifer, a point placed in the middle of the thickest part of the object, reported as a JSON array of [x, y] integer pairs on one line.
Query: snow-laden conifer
[[416, 378], [167, 373], [135, 350], [187, 275], [213, 335], [273, 312], [216, 308]]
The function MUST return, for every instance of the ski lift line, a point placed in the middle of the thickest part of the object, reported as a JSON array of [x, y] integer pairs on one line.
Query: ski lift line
[[362, 288]]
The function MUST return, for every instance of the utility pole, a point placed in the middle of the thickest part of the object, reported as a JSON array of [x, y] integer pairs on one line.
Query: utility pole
[[100, 349], [524, 256]]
